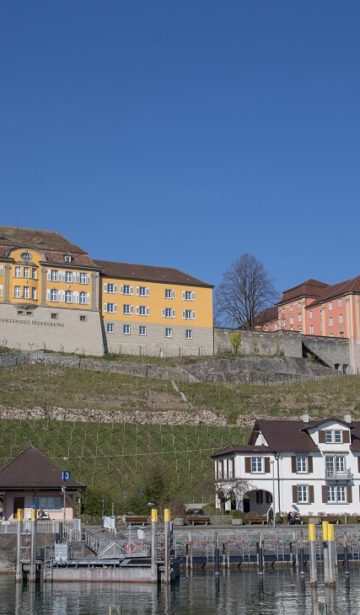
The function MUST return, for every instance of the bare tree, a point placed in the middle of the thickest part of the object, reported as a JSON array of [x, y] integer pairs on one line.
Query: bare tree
[[245, 291], [233, 488]]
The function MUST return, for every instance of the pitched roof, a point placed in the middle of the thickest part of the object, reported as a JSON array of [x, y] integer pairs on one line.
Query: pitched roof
[[51, 244], [283, 435], [128, 271], [243, 448], [33, 469], [267, 315], [338, 290], [309, 288]]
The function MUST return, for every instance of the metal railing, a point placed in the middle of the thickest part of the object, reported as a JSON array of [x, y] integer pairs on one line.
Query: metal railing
[[333, 474]]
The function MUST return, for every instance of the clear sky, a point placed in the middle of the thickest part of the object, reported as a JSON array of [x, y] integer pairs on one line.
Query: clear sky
[[186, 133]]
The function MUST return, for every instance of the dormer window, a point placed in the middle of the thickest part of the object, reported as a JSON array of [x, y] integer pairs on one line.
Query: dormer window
[[26, 256], [333, 436], [68, 258]]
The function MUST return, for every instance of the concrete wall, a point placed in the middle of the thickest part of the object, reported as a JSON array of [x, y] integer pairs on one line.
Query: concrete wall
[[154, 343], [38, 329], [334, 351]]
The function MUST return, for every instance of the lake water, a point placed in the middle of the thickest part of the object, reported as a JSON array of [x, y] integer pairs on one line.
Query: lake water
[[279, 592]]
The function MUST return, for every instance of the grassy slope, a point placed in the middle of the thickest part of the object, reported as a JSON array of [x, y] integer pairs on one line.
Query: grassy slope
[[114, 459]]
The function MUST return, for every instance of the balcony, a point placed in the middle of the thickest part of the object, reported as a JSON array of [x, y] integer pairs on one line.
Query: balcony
[[338, 474]]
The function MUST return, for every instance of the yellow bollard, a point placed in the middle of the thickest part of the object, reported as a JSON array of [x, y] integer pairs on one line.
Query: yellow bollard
[[167, 515], [19, 514], [325, 529], [313, 563], [33, 514], [154, 515], [312, 532]]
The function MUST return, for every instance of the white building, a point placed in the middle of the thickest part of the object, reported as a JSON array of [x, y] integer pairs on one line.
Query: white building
[[309, 466]]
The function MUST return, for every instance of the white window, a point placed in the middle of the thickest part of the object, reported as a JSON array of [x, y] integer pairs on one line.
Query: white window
[[299, 318], [336, 493], [143, 310], [82, 298], [127, 309], [302, 494], [291, 308], [126, 289], [301, 464], [256, 464], [340, 301], [311, 330], [68, 296], [18, 272], [333, 436], [110, 327], [126, 329], [335, 466], [54, 275], [17, 292], [291, 320], [168, 313], [68, 258], [188, 314], [33, 293], [331, 321], [169, 293], [26, 272], [168, 332], [110, 307], [142, 291], [83, 278], [188, 295], [68, 277], [188, 334], [330, 305], [34, 273], [53, 294], [341, 319], [110, 288], [283, 323], [310, 314], [142, 330], [26, 292]]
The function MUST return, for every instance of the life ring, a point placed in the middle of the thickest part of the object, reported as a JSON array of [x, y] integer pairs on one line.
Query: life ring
[[130, 547]]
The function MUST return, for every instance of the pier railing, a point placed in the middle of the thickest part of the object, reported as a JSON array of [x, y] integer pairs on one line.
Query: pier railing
[[71, 530]]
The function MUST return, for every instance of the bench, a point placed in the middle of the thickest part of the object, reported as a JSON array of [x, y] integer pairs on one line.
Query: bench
[[197, 519], [136, 520], [253, 517]]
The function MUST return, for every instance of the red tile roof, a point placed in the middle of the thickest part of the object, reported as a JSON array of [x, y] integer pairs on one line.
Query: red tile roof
[[266, 316], [348, 287], [51, 244], [309, 288], [34, 470], [147, 273]]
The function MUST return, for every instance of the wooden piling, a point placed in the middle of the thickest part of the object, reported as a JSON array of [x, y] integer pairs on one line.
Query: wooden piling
[[331, 581]]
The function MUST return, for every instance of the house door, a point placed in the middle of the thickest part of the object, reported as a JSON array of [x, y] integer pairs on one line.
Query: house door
[[19, 502]]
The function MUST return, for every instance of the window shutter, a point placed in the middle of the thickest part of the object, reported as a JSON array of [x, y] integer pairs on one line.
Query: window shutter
[[62, 295], [322, 438], [137, 309], [49, 297], [137, 290], [346, 437], [173, 313], [131, 309], [247, 465], [48, 275], [115, 307], [311, 494], [183, 294], [76, 297], [121, 289], [163, 312], [173, 294], [349, 494], [193, 296], [293, 464], [131, 290], [267, 465], [105, 307], [310, 465], [183, 314], [294, 494], [105, 287], [87, 297], [147, 311], [324, 494], [115, 288], [193, 315], [147, 292]]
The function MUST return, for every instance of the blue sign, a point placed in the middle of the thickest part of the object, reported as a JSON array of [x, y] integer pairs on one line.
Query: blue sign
[[65, 475]]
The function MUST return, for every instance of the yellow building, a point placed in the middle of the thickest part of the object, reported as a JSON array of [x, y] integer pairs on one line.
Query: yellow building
[[54, 296]]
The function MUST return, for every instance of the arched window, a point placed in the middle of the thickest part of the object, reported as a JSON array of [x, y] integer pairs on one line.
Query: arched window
[[53, 294]]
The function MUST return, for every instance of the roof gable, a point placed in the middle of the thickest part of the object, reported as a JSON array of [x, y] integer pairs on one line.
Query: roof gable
[[284, 436], [33, 469]]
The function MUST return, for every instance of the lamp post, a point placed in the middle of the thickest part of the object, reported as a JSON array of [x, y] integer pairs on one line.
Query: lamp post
[[272, 462]]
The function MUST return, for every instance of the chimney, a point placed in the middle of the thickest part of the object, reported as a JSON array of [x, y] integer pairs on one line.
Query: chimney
[[306, 418], [348, 418]]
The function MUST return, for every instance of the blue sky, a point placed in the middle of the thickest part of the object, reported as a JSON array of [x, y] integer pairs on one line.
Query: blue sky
[[184, 134]]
